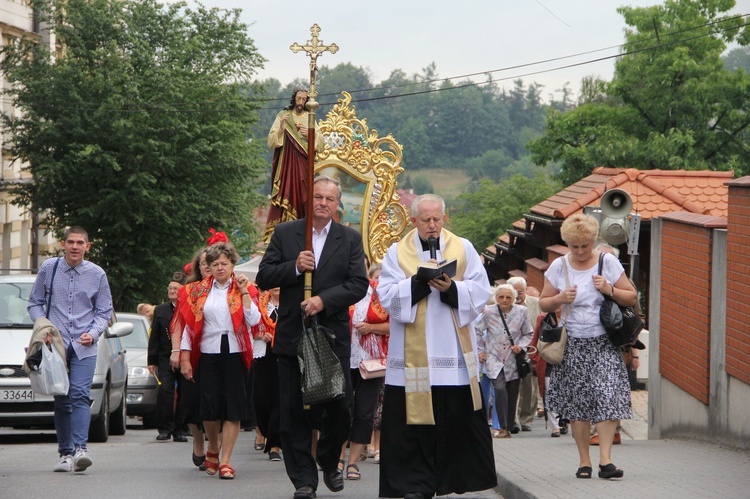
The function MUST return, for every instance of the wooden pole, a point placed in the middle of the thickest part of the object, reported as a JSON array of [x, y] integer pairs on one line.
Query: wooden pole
[[313, 49]]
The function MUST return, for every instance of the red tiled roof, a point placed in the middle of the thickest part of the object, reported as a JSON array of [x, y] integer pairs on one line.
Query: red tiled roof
[[654, 192], [406, 196]]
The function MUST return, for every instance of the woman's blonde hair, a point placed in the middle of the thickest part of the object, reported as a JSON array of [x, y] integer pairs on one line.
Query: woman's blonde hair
[[513, 292], [579, 228]]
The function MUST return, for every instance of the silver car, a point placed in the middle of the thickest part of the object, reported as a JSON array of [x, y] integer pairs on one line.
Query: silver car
[[20, 407], [142, 387]]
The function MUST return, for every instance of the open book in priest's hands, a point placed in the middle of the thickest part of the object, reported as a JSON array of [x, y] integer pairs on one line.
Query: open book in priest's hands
[[428, 271]]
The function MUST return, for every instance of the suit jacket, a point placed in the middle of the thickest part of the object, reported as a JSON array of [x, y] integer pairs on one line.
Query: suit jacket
[[159, 343], [339, 280]]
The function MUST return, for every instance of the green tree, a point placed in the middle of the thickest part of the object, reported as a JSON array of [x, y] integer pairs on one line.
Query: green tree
[[408, 118], [422, 185], [483, 214], [413, 136], [489, 165], [671, 103], [137, 131], [343, 77], [738, 58]]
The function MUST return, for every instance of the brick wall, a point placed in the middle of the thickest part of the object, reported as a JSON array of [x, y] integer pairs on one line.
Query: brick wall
[[535, 269], [738, 283], [684, 339]]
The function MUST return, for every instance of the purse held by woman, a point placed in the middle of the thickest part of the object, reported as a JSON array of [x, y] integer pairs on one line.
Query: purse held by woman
[[552, 339], [373, 368], [553, 336], [622, 324]]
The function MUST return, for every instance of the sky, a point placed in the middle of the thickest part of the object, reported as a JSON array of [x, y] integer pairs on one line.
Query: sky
[[461, 36]]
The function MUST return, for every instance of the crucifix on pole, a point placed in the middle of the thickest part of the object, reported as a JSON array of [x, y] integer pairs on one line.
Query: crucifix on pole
[[314, 48]]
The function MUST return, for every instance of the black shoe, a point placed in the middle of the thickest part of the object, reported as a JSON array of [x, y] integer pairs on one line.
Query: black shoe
[[198, 461], [333, 479], [414, 495], [179, 437], [163, 437], [610, 471], [304, 492], [525, 427], [274, 456], [515, 428]]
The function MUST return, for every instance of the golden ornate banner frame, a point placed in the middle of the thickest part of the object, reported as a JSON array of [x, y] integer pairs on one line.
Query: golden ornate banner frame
[[367, 167]]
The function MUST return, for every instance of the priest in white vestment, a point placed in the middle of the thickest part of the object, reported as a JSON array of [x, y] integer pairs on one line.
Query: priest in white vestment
[[435, 439]]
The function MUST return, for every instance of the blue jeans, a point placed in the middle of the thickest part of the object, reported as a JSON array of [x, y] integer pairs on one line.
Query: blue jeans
[[73, 411], [487, 393]]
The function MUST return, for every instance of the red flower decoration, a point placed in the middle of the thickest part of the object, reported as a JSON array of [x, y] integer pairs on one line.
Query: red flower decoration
[[216, 237], [188, 268]]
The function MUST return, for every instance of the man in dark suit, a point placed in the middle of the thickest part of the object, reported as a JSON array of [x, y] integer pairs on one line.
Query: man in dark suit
[[339, 280], [170, 423]]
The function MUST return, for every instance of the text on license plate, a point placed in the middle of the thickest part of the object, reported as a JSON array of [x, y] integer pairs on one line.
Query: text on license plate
[[16, 395]]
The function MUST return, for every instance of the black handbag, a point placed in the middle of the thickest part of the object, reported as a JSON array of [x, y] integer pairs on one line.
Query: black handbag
[[523, 362], [322, 378], [622, 324], [550, 330]]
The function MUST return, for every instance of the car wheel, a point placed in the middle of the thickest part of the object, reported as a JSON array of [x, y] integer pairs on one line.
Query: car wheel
[[99, 429], [119, 421]]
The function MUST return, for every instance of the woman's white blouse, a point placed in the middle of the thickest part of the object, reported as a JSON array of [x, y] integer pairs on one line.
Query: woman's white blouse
[[217, 321], [582, 317]]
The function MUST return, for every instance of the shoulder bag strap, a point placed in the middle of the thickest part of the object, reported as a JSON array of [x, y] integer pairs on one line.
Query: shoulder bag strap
[[566, 308], [599, 271], [51, 283], [505, 324]]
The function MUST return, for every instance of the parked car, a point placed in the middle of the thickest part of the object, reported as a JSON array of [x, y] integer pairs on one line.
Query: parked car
[[142, 387], [20, 407]]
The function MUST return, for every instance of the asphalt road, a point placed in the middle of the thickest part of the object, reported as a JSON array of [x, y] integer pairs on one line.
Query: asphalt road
[[136, 465]]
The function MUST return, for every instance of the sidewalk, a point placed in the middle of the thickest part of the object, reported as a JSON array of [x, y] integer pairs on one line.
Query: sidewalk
[[534, 465]]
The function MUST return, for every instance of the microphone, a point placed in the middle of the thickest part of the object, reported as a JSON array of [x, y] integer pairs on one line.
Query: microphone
[[432, 243]]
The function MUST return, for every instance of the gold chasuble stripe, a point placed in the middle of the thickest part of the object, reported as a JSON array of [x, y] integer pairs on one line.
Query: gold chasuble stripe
[[416, 363]]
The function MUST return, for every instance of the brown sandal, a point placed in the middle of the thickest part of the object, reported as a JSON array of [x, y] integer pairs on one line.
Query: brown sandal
[[502, 434]]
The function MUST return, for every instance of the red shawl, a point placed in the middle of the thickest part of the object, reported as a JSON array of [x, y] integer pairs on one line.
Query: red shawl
[[268, 323], [190, 315], [376, 345]]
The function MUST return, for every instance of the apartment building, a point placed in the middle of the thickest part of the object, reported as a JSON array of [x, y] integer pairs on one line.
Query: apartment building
[[23, 245]]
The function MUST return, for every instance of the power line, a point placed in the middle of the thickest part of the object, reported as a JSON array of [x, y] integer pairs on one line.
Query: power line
[[465, 85], [544, 61], [476, 84], [556, 16]]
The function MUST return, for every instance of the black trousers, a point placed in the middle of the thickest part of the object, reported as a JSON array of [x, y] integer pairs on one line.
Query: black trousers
[[365, 402], [169, 414], [453, 456], [266, 397], [296, 427], [506, 400]]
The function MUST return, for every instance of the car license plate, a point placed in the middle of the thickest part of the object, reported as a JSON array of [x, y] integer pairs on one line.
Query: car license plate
[[16, 395]]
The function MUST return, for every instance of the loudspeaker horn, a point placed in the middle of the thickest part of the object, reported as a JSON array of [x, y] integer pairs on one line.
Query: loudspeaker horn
[[616, 203]]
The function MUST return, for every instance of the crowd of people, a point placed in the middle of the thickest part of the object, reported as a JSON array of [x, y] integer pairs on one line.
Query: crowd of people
[[446, 351], [431, 366]]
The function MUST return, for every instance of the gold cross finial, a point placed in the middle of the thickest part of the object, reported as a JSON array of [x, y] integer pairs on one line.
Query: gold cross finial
[[314, 48]]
